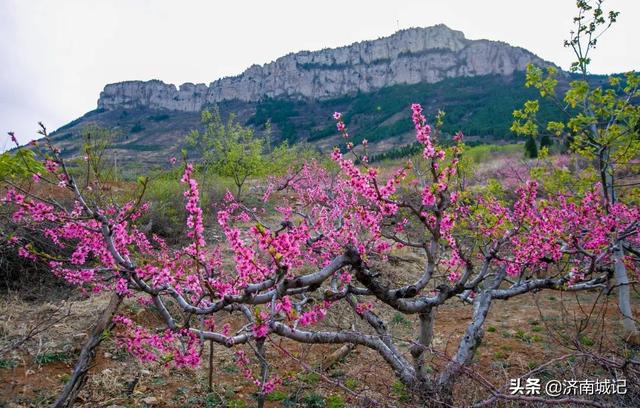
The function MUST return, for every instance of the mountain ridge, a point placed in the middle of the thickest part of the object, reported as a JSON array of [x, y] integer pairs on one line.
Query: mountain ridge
[[478, 83], [409, 56]]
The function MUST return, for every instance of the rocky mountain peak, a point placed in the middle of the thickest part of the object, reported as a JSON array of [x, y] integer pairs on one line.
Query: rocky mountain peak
[[409, 56]]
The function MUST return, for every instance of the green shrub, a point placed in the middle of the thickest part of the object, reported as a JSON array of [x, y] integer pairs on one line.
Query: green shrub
[[400, 391], [313, 401], [52, 357], [335, 401], [310, 377], [276, 395], [235, 404], [351, 383], [7, 363]]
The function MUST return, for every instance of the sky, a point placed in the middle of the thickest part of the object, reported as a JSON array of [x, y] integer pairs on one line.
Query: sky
[[56, 56]]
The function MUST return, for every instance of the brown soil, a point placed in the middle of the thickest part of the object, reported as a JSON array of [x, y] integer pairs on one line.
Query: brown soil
[[520, 334]]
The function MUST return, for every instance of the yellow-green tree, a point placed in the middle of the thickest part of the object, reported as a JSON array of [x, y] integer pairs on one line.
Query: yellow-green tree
[[229, 149], [602, 125]]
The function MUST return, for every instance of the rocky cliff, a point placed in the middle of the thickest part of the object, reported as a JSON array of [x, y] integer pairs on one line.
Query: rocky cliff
[[417, 55]]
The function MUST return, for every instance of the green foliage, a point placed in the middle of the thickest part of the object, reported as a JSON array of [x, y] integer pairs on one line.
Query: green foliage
[[478, 105], [590, 23], [335, 401], [52, 357], [19, 165], [399, 318], [586, 341], [229, 149], [531, 148], [351, 383], [235, 404], [97, 141], [278, 112], [525, 119], [397, 153], [283, 157], [276, 395], [166, 203], [310, 377], [7, 363], [234, 151], [485, 153], [545, 141], [602, 121], [400, 391], [313, 401]]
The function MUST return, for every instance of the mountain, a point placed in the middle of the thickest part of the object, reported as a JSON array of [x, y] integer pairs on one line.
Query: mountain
[[478, 82], [417, 55]]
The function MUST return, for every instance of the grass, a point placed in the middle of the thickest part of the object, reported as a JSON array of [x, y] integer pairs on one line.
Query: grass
[[7, 363], [313, 400], [310, 378], [399, 391], [335, 401], [235, 404], [586, 341], [52, 357], [351, 383], [212, 400], [485, 153], [400, 319], [230, 369], [276, 395]]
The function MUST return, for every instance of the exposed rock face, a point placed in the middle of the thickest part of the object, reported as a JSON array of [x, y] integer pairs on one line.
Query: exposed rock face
[[406, 57]]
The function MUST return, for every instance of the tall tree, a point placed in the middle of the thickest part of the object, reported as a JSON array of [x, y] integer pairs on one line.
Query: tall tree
[[602, 126], [229, 149]]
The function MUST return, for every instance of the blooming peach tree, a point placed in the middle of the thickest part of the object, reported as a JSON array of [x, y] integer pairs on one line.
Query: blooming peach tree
[[327, 252]]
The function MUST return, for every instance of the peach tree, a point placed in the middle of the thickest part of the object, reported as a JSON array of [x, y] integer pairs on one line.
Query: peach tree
[[327, 251]]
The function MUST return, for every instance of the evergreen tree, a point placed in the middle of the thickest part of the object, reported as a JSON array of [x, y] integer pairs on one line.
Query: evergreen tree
[[530, 148], [545, 141]]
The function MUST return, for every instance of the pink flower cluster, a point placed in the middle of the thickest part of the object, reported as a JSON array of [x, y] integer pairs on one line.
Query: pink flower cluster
[[179, 348], [313, 316]]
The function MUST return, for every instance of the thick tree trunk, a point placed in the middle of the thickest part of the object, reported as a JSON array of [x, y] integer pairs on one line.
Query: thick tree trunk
[[630, 329], [630, 332], [79, 375], [423, 342]]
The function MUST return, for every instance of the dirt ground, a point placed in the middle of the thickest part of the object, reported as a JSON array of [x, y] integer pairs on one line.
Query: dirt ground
[[520, 335]]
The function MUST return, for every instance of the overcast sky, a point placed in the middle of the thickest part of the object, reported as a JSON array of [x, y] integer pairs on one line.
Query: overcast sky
[[57, 56]]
